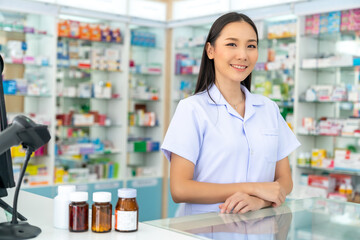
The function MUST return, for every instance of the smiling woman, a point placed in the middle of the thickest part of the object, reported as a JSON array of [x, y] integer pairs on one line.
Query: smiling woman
[[228, 147]]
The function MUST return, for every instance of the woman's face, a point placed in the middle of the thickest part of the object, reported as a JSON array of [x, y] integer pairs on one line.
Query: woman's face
[[234, 52]]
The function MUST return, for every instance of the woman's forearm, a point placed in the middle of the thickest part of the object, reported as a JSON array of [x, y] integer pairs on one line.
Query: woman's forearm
[[191, 191]]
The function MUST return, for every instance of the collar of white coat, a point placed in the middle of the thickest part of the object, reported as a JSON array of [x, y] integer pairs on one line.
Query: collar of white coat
[[250, 99]]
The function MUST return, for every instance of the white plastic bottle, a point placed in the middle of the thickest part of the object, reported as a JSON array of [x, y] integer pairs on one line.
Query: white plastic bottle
[[61, 206]]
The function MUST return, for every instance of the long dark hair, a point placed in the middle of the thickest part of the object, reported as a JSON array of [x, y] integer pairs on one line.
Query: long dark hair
[[206, 76]]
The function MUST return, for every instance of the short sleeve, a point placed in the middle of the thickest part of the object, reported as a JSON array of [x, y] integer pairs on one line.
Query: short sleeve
[[183, 136], [287, 139]]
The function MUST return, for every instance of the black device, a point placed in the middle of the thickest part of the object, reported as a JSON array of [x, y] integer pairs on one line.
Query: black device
[[6, 170], [32, 136]]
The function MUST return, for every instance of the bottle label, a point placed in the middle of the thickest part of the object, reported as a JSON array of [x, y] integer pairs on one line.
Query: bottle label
[[125, 220]]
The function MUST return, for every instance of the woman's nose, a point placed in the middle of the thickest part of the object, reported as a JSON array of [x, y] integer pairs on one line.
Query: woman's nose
[[241, 54]]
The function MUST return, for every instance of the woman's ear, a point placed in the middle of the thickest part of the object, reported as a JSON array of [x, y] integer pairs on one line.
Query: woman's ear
[[210, 50]]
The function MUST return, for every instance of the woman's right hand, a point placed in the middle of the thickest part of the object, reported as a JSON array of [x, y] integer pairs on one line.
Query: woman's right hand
[[271, 191]]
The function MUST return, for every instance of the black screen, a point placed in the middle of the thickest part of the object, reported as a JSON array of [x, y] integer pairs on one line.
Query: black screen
[[6, 170]]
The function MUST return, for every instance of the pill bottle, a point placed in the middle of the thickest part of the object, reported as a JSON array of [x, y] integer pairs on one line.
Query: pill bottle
[[61, 206], [78, 212], [101, 212], [342, 189], [126, 211]]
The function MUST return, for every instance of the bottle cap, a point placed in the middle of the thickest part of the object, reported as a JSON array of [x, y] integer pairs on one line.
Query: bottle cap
[[79, 196], [101, 197], [66, 189], [127, 193]]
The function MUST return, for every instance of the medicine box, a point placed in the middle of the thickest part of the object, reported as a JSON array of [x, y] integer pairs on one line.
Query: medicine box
[[324, 182], [346, 160]]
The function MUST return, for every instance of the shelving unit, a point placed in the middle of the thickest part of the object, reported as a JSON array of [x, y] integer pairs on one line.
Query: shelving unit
[[187, 49], [146, 108], [27, 42], [319, 65], [274, 73], [92, 83]]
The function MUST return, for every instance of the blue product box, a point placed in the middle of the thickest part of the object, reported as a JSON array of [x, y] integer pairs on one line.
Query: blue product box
[[155, 146], [9, 87], [356, 61], [334, 21], [324, 22]]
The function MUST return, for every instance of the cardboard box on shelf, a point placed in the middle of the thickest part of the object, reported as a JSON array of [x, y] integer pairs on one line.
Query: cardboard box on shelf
[[14, 103]]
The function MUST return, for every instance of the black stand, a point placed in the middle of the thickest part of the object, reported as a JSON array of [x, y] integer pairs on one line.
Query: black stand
[[14, 229], [9, 209]]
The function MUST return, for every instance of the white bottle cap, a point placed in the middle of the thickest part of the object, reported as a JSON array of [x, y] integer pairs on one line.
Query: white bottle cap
[[101, 197], [79, 196], [66, 189], [127, 193]]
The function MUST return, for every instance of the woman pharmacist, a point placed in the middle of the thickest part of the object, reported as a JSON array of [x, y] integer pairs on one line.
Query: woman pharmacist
[[228, 148]]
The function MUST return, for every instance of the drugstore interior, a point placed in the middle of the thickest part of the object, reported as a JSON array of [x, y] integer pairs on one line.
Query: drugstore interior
[[106, 79]]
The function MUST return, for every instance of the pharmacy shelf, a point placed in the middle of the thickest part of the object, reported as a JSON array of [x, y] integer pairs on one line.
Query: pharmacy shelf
[[144, 48], [327, 101], [106, 152], [145, 100], [29, 95], [89, 126], [87, 69], [27, 64], [147, 74], [21, 33], [331, 68], [321, 135], [93, 98], [330, 170], [89, 41], [334, 36]]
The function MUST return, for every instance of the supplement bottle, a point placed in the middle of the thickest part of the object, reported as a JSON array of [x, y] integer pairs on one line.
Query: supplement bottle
[[78, 212], [61, 206], [101, 212], [126, 211]]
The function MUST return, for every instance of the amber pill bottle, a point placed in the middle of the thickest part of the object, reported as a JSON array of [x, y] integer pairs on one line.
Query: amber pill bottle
[[101, 212], [78, 212], [126, 211]]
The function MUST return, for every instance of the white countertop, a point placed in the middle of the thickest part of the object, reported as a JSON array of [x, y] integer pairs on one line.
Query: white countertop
[[39, 212]]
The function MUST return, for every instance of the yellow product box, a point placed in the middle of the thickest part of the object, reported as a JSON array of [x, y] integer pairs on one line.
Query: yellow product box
[[19, 151], [317, 157], [32, 170]]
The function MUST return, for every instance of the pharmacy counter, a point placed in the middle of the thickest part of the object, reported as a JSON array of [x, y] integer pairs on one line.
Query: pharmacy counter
[[297, 219], [39, 212]]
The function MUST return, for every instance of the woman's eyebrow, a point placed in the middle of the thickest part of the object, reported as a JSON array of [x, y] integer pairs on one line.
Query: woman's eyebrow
[[235, 39]]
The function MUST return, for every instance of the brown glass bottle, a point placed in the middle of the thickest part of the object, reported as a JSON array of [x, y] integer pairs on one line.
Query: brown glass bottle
[[126, 211], [101, 212], [78, 212]]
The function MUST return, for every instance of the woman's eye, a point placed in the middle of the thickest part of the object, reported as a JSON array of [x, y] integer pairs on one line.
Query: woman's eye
[[252, 46], [231, 44]]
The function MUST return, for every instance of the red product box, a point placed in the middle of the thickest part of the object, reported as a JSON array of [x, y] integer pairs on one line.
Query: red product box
[[324, 182], [74, 29], [350, 20], [84, 31], [312, 24]]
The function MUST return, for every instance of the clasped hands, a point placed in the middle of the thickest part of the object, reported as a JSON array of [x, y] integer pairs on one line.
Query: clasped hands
[[262, 193]]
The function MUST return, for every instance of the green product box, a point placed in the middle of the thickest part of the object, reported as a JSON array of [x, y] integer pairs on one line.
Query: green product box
[[140, 146]]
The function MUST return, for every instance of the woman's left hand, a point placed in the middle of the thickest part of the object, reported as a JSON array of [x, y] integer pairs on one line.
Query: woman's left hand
[[241, 203]]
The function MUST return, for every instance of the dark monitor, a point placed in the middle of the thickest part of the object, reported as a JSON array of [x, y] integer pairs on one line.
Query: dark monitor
[[6, 170]]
